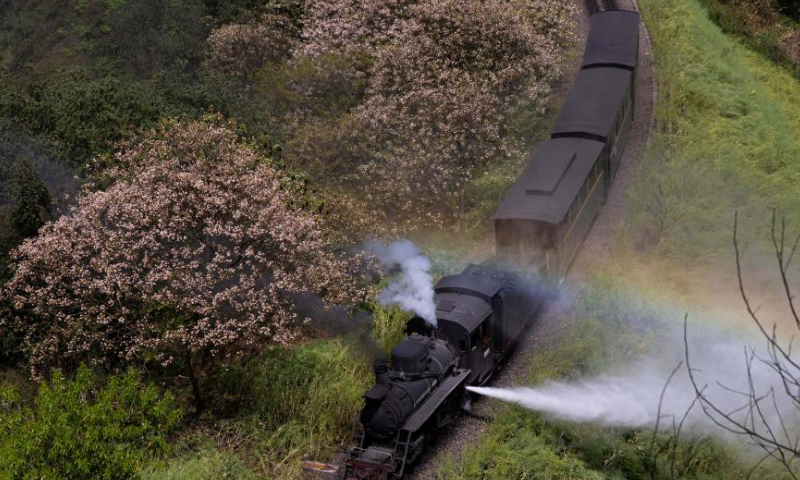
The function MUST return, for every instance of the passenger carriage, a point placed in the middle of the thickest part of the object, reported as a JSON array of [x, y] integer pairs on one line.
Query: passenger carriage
[[545, 216]]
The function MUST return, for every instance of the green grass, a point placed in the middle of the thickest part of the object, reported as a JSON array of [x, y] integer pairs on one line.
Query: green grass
[[735, 19], [288, 404], [208, 464], [727, 138], [271, 412], [389, 325]]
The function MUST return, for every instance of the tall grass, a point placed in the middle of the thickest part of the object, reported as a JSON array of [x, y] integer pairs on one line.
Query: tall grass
[[269, 413], [208, 464], [389, 325], [742, 21]]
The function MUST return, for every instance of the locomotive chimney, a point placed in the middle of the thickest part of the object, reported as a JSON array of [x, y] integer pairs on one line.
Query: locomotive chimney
[[381, 370]]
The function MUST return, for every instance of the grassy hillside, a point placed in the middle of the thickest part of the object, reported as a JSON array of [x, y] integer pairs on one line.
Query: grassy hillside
[[728, 138]]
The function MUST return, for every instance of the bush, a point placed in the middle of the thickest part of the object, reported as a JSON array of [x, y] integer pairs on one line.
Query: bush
[[80, 113], [31, 199], [240, 49], [290, 403], [82, 429], [205, 465], [225, 11]]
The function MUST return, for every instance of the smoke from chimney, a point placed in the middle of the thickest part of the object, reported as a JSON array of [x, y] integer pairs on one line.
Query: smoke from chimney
[[410, 281]]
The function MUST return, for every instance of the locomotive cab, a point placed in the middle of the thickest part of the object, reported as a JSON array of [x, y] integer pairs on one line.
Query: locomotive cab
[[482, 311]]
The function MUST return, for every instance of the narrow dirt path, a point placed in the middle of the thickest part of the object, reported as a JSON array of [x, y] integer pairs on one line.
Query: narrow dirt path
[[468, 429]]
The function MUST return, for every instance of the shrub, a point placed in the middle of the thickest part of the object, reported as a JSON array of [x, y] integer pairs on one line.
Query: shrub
[[82, 429], [85, 116], [226, 11], [290, 403], [31, 201], [240, 50]]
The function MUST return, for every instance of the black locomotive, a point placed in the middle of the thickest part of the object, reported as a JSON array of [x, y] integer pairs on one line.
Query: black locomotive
[[480, 314], [539, 227]]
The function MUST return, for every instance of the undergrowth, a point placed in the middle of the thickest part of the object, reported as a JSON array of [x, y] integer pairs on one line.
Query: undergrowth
[[286, 405], [83, 427]]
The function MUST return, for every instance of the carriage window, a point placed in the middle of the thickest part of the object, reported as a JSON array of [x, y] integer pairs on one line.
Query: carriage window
[[475, 338], [462, 345]]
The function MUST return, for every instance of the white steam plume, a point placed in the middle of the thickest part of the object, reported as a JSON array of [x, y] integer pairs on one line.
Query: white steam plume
[[412, 287], [630, 397]]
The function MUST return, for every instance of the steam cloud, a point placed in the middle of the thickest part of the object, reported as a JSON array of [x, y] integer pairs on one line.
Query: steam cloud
[[411, 287], [630, 397]]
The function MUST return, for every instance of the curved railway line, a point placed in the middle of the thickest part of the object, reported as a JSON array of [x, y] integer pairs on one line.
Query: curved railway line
[[551, 222], [600, 238]]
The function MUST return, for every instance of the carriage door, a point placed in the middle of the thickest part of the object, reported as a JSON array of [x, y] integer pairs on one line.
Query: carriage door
[[482, 358]]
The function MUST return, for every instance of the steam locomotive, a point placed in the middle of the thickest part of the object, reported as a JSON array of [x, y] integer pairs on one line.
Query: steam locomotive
[[482, 311]]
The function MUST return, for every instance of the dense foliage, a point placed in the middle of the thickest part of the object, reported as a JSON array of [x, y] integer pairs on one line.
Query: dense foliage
[[241, 50], [82, 428], [30, 199], [767, 26]]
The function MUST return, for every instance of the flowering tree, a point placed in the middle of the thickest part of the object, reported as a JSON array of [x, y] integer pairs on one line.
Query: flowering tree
[[240, 50], [445, 79], [194, 252], [443, 90], [350, 25]]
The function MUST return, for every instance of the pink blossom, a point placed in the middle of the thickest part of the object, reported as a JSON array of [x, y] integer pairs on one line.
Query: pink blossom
[[195, 246]]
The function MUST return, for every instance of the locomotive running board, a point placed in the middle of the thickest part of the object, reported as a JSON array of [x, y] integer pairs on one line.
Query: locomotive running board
[[430, 405]]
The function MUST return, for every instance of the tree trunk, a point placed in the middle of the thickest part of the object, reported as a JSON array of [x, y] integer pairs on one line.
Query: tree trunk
[[199, 404]]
